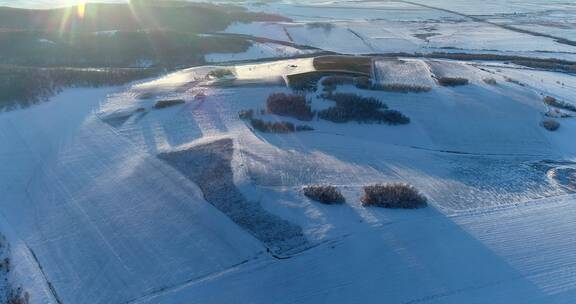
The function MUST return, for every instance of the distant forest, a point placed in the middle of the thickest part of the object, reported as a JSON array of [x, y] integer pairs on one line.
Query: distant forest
[[44, 51], [162, 33]]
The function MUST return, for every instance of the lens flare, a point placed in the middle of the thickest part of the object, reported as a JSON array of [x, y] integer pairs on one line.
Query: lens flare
[[81, 11]]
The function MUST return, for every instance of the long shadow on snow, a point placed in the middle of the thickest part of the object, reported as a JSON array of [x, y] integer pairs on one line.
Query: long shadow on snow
[[209, 166]]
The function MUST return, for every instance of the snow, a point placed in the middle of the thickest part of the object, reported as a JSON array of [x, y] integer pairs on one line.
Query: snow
[[414, 254], [24, 271], [110, 200], [105, 215], [380, 27], [390, 72], [258, 51], [108, 214], [449, 69]]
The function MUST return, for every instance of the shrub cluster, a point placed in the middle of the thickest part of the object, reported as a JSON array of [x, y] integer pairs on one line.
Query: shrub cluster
[[277, 127], [490, 81], [551, 101], [452, 81], [351, 107], [395, 196], [325, 194], [550, 124], [514, 81], [292, 105], [161, 104]]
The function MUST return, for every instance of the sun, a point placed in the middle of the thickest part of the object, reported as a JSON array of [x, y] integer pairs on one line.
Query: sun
[[81, 9]]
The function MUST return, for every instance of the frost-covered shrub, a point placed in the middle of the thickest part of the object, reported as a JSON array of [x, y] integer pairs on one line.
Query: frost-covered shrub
[[550, 124], [352, 107], [395, 196], [551, 101], [325, 194], [490, 81], [452, 81], [277, 126], [272, 127], [292, 105], [161, 104], [514, 81]]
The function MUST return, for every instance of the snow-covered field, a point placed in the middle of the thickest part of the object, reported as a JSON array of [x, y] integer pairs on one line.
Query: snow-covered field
[[108, 198], [363, 27], [258, 51], [392, 72], [476, 151], [99, 210]]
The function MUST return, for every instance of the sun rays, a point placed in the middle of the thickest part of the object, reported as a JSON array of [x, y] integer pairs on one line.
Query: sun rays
[[81, 9]]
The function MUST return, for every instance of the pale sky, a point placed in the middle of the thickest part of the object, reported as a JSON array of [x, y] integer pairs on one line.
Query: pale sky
[[47, 3]]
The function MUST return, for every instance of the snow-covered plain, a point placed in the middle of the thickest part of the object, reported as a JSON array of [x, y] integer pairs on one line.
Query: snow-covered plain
[[363, 27]]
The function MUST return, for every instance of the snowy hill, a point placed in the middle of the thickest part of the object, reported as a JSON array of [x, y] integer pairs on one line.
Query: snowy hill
[[114, 207], [188, 187]]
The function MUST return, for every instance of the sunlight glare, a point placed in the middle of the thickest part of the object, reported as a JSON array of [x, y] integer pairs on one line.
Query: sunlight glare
[[81, 9]]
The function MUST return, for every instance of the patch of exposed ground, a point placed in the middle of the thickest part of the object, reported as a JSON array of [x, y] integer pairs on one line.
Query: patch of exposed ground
[[209, 166]]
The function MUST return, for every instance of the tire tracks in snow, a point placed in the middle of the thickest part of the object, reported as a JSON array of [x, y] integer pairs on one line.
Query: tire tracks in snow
[[503, 26]]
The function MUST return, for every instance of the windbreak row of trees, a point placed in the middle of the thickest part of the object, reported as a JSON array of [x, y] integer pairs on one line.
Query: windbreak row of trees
[[160, 33]]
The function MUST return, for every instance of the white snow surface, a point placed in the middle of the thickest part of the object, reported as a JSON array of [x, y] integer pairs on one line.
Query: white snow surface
[[477, 151], [107, 222], [362, 27], [258, 51], [93, 216], [399, 72]]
